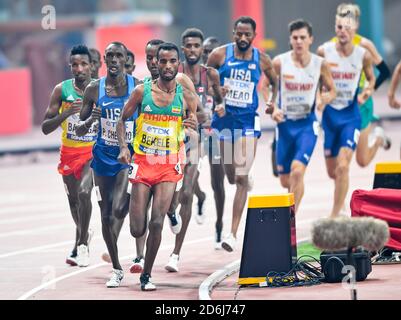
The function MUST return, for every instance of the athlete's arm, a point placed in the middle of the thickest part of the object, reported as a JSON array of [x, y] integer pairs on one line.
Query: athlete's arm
[[216, 57], [320, 51], [134, 101], [190, 106], [327, 82], [384, 71], [394, 103], [370, 77], [214, 83], [277, 114], [52, 118], [88, 114], [267, 67]]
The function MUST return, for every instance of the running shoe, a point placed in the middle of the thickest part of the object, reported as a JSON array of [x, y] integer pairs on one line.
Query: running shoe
[[229, 243], [175, 222], [217, 243], [72, 260], [137, 265], [200, 216], [115, 279], [379, 132], [172, 265], [83, 256], [146, 282]]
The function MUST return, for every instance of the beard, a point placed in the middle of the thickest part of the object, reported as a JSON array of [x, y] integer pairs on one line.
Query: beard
[[192, 62], [242, 47], [168, 77]]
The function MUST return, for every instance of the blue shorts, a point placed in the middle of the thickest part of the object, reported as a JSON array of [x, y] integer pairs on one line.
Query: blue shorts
[[232, 127], [295, 140], [105, 161], [341, 129]]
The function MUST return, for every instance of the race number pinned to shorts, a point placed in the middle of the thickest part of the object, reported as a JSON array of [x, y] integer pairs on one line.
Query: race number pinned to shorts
[[178, 186], [129, 187], [200, 164], [257, 123], [178, 168], [133, 170], [98, 195], [357, 133], [316, 128]]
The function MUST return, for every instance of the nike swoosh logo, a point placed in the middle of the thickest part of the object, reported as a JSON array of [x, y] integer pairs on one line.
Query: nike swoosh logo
[[104, 104], [230, 64]]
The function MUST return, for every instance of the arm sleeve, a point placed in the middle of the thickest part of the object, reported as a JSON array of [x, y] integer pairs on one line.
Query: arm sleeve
[[384, 74]]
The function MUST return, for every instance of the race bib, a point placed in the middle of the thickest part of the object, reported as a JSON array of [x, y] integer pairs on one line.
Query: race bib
[[240, 92], [109, 131], [132, 170], [344, 99], [72, 122], [297, 111]]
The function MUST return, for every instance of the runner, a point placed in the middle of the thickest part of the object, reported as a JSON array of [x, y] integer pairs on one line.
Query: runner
[[159, 149], [366, 150], [212, 151], [96, 62], [75, 152], [392, 100], [300, 73], [111, 177], [240, 66], [203, 78], [341, 120]]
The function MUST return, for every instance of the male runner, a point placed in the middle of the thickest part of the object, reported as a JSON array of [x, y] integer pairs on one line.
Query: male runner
[[111, 177], [96, 62], [212, 151], [240, 66], [300, 73], [159, 155], [366, 150], [341, 120], [392, 100], [203, 78], [75, 152]]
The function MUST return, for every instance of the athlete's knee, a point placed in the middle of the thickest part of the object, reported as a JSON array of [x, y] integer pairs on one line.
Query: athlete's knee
[[297, 174], [84, 194], [186, 195], [120, 211], [241, 180], [156, 225], [137, 231], [342, 168], [361, 160]]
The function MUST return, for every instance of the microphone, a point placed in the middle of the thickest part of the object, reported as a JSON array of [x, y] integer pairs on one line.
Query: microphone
[[333, 234]]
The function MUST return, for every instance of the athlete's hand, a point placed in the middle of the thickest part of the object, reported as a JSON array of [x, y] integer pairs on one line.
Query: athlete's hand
[[278, 115], [96, 113], [75, 107], [394, 103], [220, 110], [270, 107], [124, 156], [364, 96], [190, 123], [323, 100]]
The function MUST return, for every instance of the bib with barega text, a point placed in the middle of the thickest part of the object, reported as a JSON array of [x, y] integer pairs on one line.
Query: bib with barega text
[[72, 121], [240, 92]]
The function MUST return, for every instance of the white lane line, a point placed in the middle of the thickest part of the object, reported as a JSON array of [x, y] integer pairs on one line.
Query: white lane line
[[206, 287], [33, 231], [30, 208], [54, 215], [71, 274]]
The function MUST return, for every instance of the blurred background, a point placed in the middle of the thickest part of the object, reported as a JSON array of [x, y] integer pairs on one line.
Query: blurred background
[[34, 49]]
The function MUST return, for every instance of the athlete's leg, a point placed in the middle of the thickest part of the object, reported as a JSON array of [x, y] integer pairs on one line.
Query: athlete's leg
[[217, 179], [71, 186], [285, 180], [162, 196], [191, 174], [296, 181], [85, 203], [341, 180]]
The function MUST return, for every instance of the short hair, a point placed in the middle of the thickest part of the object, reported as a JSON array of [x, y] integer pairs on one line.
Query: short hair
[[130, 53], [120, 44], [245, 19], [212, 40], [349, 10], [192, 32], [80, 49], [94, 51], [168, 46], [154, 42], [300, 24]]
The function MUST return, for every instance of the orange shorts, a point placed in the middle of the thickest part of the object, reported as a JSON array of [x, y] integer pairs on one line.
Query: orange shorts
[[72, 160], [152, 170]]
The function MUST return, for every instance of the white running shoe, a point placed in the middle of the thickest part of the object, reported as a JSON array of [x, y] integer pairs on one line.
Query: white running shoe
[[217, 246], [83, 256], [250, 181], [137, 266], [379, 133], [175, 222], [229, 242], [172, 265], [71, 260], [106, 257], [115, 279], [200, 215]]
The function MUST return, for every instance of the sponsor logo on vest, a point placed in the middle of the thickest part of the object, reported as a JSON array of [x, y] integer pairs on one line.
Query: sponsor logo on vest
[[201, 90], [147, 109], [252, 66], [70, 98]]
